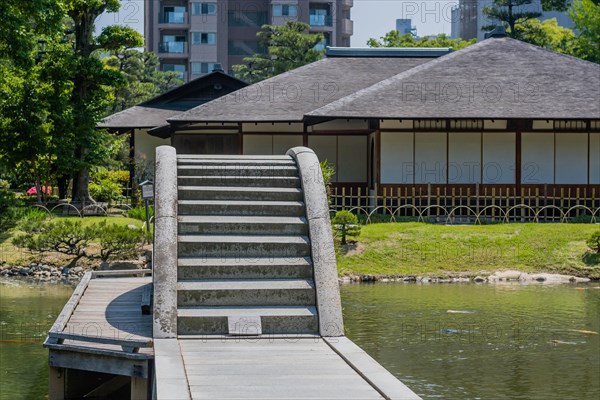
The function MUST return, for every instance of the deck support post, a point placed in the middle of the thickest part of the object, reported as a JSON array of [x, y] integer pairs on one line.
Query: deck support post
[[56, 383], [139, 388]]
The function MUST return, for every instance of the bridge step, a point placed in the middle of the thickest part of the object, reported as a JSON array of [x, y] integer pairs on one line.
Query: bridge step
[[236, 161], [274, 320], [246, 292], [242, 225], [243, 246], [240, 193], [244, 268], [244, 181], [237, 170], [240, 207]]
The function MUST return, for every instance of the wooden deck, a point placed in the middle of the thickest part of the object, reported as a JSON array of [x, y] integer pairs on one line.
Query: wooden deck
[[270, 369]]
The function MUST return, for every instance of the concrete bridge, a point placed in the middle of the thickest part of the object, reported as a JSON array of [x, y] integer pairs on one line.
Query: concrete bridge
[[246, 301]]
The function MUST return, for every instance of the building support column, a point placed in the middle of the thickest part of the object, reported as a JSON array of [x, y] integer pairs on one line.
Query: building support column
[[56, 383], [139, 388]]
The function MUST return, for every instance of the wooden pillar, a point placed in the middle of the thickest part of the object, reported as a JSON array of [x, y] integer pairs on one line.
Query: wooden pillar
[[139, 388], [132, 183], [56, 383]]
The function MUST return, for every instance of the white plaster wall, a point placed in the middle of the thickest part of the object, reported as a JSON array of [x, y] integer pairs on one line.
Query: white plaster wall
[[537, 157], [397, 157], [464, 157], [282, 143], [571, 158], [595, 158], [352, 159], [430, 157], [258, 144], [145, 145], [498, 157]]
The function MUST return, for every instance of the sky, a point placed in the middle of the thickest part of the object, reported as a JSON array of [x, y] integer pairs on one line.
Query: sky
[[372, 18]]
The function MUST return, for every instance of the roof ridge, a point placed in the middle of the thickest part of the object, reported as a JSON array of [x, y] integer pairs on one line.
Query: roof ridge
[[543, 49], [391, 80]]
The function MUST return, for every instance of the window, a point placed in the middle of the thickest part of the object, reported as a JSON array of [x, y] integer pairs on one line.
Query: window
[[173, 44], [173, 15], [245, 47], [204, 38], [204, 8], [247, 19], [320, 15], [202, 68], [180, 68], [284, 10]]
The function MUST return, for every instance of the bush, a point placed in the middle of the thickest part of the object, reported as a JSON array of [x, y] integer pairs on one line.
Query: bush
[[140, 213], [9, 207], [584, 218], [68, 237], [594, 242], [32, 220], [118, 241], [106, 191], [345, 224], [328, 173]]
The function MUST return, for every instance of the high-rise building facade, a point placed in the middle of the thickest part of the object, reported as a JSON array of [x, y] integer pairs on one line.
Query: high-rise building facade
[[191, 36]]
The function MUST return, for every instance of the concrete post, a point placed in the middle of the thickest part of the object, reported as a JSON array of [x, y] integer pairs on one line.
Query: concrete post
[[56, 383], [329, 304], [164, 262]]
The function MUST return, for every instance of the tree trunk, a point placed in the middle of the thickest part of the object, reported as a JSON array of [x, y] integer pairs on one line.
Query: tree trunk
[[81, 188], [63, 186]]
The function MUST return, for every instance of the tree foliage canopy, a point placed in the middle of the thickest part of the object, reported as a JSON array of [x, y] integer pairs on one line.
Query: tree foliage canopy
[[395, 39], [287, 47]]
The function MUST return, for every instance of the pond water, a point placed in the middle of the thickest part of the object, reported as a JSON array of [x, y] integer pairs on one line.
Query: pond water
[[497, 341]]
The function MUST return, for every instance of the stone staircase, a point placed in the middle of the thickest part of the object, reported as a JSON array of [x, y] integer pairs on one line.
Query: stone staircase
[[244, 262]]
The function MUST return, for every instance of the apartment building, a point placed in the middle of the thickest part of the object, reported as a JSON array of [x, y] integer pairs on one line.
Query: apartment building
[[193, 36]]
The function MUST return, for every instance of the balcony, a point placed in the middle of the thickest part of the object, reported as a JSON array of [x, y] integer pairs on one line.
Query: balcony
[[347, 27], [320, 20], [347, 3], [173, 18], [175, 48]]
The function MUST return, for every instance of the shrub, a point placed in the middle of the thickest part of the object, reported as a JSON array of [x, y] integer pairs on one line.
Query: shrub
[[346, 224], [9, 207], [594, 242], [328, 173], [68, 237], [32, 220], [106, 191], [584, 218], [140, 213], [118, 241]]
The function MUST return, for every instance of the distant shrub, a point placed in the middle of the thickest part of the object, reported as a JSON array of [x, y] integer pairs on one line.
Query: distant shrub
[[345, 224], [328, 173], [594, 242], [32, 220], [10, 211], [105, 191], [584, 218], [118, 241], [68, 237], [140, 213]]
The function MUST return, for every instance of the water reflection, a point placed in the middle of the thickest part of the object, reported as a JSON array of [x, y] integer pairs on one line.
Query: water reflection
[[511, 342]]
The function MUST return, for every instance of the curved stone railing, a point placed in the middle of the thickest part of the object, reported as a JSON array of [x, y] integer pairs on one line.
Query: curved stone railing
[[164, 263], [323, 253]]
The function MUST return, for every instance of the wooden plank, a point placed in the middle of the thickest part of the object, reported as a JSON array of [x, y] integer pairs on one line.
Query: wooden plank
[[102, 362], [127, 272], [68, 309], [131, 346]]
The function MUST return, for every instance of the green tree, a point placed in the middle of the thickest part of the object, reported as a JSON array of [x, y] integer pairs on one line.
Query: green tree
[[288, 47], [586, 16], [395, 39], [548, 34], [504, 12], [345, 224], [143, 79]]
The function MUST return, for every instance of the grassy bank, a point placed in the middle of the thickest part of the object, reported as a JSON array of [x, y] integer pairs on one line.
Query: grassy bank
[[401, 249]]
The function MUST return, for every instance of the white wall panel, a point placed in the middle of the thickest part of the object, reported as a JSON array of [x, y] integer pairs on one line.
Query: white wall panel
[[397, 157], [282, 143], [537, 157], [571, 158], [464, 157], [498, 157], [145, 145], [595, 158], [352, 159], [430, 157], [325, 147], [258, 144]]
